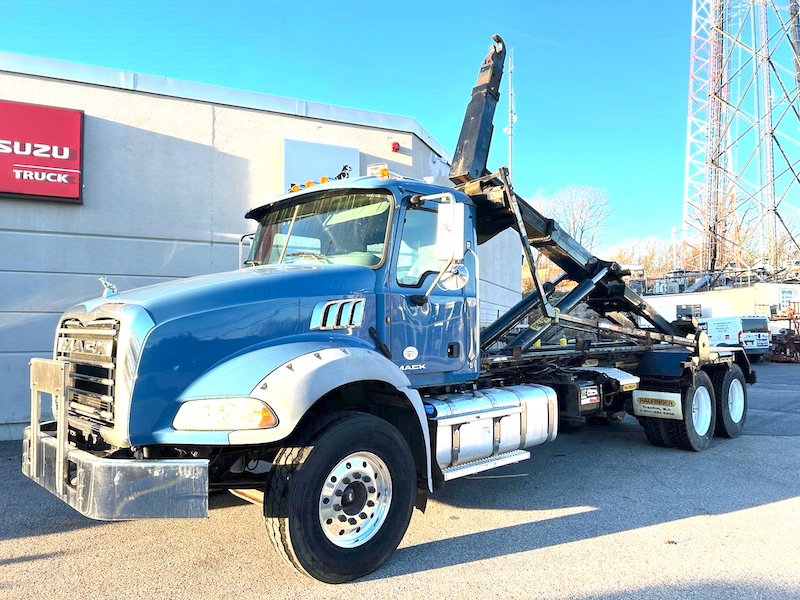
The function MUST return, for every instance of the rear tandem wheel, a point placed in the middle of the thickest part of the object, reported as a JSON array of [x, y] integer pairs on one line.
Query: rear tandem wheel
[[657, 432], [695, 430], [731, 406]]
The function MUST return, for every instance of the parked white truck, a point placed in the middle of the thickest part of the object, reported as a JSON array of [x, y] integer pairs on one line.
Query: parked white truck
[[748, 332]]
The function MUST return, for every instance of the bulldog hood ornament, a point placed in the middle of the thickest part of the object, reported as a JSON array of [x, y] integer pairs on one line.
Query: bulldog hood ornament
[[109, 289]]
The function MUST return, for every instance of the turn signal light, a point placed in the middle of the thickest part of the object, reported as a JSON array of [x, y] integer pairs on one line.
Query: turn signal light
[[378, 170]]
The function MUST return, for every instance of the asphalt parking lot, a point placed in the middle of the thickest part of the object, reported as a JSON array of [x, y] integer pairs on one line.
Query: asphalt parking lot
[[597, 514]]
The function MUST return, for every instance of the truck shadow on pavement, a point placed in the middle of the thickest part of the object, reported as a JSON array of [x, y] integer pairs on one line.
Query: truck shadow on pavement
[[597, 482], [607, 480], [28, 510]]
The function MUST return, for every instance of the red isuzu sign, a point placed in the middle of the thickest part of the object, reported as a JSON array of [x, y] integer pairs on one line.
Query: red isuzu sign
[[40, 152]]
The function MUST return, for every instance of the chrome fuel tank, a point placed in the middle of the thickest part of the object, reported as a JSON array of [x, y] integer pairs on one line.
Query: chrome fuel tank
[[477, 425]]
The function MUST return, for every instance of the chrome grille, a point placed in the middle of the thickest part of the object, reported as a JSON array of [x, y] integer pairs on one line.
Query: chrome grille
[[92, 349]]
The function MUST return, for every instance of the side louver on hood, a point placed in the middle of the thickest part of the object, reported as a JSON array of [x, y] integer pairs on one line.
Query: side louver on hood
[[338, 314]]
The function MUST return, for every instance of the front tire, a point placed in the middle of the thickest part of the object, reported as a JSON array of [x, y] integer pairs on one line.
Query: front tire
[[339, 503], [731, 392], [696, 429]]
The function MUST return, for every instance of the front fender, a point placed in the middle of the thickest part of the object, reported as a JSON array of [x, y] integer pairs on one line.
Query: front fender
[[291, 389], [306, 372]]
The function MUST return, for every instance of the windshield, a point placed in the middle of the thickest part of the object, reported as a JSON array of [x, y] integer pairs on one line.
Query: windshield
[[336, 228], [749, 325]]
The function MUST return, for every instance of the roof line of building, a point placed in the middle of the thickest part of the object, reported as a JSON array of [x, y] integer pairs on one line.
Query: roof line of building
[[127, 80]]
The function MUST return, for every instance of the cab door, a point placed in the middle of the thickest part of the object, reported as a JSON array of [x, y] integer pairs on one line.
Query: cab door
[[434, 339]]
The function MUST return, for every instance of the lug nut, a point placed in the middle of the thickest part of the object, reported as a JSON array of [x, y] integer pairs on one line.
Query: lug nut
[[352, 521]]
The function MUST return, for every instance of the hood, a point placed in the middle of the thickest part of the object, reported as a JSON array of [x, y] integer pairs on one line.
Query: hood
[[184, 297], [202, 321]]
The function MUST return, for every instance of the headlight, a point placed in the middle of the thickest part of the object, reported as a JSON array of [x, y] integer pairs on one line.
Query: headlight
[[224, 414]]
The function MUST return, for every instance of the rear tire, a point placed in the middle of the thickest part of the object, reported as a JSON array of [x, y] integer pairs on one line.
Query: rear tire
[[696, 429], [731, 392], [657, 431], [338, 503]]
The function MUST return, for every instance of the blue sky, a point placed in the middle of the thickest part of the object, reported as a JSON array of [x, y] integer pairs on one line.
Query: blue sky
[[600, 87]]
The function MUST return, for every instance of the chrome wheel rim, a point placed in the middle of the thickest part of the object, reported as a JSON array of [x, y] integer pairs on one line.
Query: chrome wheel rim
[[736, 400], [355, 499], [701, 410]]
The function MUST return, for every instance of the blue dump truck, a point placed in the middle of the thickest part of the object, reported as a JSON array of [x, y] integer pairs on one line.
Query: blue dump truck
[[344, 373]]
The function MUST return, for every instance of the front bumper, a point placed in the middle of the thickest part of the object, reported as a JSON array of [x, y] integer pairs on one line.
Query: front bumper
[[107, 489]]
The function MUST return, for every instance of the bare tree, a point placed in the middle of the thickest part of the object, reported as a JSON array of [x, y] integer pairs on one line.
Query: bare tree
[[654, 255], [580, 210]]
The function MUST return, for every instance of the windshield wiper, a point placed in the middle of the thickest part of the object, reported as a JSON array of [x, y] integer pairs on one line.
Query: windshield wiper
[[320, 258]]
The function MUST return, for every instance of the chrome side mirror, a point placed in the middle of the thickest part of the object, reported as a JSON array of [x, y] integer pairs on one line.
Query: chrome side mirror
[[249, 237], [454, 278]]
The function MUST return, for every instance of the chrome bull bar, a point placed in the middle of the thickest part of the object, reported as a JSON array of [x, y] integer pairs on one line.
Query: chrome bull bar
[[99, 487], [50, 377]]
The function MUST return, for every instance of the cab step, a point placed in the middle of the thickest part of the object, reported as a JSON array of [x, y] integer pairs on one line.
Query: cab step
[[485, 464]]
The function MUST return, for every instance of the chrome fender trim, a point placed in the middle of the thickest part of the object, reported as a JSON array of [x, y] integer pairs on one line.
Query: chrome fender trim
[[291, 389]]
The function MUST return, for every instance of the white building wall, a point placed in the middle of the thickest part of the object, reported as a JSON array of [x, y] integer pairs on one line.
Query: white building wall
[[167, 181], [500, 275]]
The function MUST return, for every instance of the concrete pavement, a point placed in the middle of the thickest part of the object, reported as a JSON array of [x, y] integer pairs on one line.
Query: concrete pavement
[[597, 514]]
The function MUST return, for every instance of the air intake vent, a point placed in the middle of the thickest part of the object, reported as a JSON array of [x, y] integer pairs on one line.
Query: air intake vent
[[338, 314]]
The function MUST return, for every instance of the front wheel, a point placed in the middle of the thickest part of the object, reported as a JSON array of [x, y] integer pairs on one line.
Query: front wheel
[[338, 505]]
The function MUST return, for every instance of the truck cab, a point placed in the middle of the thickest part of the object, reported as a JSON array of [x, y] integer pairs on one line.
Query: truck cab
[[422, 305]]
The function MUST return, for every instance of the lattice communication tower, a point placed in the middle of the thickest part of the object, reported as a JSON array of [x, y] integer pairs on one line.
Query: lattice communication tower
[[742, 181]]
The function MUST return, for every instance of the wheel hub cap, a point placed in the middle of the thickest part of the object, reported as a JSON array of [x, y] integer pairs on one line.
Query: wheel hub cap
[[701, 410], [355, 499], [736, 401]]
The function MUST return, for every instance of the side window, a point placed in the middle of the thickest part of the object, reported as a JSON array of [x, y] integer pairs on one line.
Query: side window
[[417, 255]]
